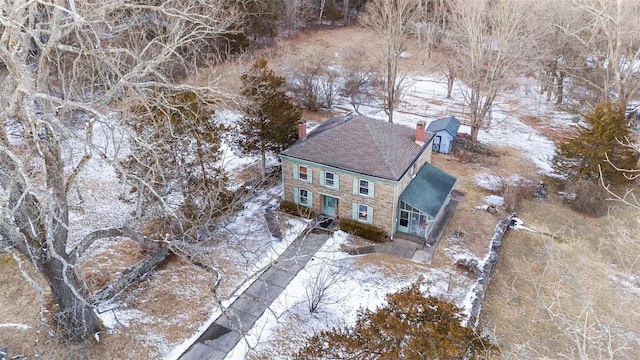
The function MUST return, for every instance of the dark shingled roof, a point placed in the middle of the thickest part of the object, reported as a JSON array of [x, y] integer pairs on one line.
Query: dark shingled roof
[[450, 124], [362, 145], [429, 190]]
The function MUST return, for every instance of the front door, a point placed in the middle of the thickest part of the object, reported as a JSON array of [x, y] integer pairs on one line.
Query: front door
[[417, 224], [412, 221], [329, 206]]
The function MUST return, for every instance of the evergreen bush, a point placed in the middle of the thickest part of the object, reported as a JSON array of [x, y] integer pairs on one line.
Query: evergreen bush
[[297, 209], [410, 325], [366, 231], [598, 148]]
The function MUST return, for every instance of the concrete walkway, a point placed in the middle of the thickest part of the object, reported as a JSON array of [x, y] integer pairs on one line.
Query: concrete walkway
[[223, 335]]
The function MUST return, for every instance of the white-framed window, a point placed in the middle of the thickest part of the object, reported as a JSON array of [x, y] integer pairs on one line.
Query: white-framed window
[[362, 212], [303, 173], [302, 196], [330, 179], [363, 187]]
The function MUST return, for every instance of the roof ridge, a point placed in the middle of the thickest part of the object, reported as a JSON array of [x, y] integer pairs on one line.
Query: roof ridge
[[386, 158]]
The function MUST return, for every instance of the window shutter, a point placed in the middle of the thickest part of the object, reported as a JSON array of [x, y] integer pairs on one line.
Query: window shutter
[[354, 211], [296, 172], [336, 181], [321, 178], [369, 214], [371, 186], [309, 175], [355, 186], [309, 198], [296, 196]]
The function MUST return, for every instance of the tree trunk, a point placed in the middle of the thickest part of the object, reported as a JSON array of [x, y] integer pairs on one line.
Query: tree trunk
[[322, 4], [131, 275], [475, 129], [346, 11], [263, 168], [391, 85], [450, 81], [75, 313], [560, 86]]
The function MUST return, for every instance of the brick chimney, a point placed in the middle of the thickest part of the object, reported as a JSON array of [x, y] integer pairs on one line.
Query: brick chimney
[[302, 129], [420, 133]]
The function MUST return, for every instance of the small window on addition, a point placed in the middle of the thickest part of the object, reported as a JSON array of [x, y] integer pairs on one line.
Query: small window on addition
[[404, 218]]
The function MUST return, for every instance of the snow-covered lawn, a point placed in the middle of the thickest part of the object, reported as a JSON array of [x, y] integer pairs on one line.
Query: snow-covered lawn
[[355, 283]]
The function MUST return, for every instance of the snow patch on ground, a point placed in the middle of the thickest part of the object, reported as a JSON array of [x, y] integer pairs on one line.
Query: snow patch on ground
[[117, 314], [350, 291], [17, 326], [518, 224]]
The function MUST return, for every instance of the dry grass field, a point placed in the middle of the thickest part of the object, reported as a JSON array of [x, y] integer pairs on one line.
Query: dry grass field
[[571, 288]]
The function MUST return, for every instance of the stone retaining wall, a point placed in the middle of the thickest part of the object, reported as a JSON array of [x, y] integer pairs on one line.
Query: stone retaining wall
[[490, 262]]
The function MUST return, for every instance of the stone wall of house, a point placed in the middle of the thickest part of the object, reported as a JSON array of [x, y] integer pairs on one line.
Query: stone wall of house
[[424, 158], [384, 202]]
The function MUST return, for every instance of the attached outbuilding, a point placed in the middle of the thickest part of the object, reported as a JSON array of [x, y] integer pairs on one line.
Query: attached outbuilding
[[445, 131]]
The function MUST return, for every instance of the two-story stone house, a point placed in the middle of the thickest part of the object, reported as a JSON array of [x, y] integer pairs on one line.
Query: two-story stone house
[[368, 170]]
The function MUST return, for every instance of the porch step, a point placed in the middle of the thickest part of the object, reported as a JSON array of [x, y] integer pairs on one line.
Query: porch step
[[412, 238]]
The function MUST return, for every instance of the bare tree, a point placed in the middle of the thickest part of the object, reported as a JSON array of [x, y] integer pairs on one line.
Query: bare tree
[[175, 150], [604, 32], [488, 42], [313, 78], [430, 24], [64, 59], [320, 287], [359, 77], [296, 13], [393, 21]]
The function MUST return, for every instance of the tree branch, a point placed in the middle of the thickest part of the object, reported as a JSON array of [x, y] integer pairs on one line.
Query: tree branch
[[89, 239]]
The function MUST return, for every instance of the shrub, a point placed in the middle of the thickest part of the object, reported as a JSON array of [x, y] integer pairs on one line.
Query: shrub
[[515, 193], [590, 198], [410, 325], [596, 151], [297, 209], [366, 231]]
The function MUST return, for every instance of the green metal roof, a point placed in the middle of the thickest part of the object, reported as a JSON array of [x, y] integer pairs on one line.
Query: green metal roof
[[429, 190]]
